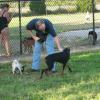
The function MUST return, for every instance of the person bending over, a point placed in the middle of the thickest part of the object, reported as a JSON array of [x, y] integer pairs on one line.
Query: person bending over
[[45, 32]]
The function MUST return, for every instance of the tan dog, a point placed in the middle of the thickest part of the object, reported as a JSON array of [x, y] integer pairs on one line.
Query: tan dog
[[28, 44]]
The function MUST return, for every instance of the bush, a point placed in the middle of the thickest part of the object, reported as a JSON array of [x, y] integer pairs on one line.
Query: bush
[[62, 11], [84, 5], [38, 7]]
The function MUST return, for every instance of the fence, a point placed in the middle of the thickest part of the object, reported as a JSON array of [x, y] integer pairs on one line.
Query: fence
[[72, 19]]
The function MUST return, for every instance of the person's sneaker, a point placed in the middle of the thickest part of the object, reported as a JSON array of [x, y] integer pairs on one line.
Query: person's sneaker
[[54, 71], [33, 70]]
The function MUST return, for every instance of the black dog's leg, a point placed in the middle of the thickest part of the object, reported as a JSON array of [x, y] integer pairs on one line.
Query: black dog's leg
[[46, 72], [62, 73], [64, 65], [69, 68], [42, 73]]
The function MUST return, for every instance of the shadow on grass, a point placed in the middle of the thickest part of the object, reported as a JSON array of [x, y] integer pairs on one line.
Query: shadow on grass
[[82, 83]]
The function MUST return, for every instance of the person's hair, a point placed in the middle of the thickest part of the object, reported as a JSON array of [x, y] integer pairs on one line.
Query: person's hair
[[39, 22], [5, 5]]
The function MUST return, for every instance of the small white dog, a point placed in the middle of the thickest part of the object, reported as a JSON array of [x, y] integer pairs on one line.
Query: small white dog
[[17, 67]]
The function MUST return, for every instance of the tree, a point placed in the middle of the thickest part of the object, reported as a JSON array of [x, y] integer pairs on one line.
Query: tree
[[38, 6], [84, 5]]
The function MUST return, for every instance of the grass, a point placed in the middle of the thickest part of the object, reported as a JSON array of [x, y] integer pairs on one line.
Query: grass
[[82, 84]]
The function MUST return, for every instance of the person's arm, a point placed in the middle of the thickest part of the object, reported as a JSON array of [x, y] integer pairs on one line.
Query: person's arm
[[9, 18], [29, 28], [0, 13], [34, 37], [53, 33], [57, 41]]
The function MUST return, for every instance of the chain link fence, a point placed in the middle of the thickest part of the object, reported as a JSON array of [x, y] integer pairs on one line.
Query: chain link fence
[[72, 19]]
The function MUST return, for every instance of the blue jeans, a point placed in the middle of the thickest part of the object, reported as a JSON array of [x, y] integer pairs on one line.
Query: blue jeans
[[37, 52]]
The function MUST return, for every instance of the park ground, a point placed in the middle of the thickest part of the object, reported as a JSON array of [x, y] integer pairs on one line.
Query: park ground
[[82, 84]]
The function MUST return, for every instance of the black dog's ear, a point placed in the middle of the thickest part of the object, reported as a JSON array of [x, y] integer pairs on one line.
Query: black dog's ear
[[67, 50]]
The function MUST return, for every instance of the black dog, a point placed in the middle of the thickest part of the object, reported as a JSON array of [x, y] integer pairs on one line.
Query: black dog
[[62, 57], [94, 36]]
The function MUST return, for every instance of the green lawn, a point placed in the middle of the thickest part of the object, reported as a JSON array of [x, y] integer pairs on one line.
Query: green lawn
[[82, 84]]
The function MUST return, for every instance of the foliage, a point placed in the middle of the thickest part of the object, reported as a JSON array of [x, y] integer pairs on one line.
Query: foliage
[[84, 5], [38, 7]]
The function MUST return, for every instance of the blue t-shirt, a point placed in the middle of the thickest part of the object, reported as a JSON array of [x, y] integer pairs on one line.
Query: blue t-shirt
[[49, 27]]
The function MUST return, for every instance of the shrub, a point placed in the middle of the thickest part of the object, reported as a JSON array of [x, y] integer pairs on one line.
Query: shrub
[[84, 5], [38, 7]]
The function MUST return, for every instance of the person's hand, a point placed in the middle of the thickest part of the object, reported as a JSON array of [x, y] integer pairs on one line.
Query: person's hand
[[37, 38], [60, 49]]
